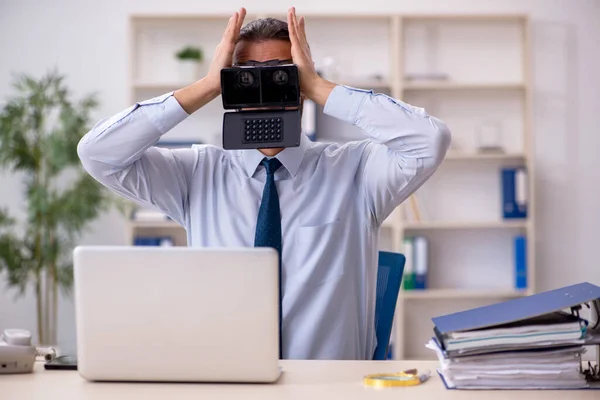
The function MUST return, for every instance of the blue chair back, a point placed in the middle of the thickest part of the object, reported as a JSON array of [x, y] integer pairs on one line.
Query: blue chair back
[[389, 277]]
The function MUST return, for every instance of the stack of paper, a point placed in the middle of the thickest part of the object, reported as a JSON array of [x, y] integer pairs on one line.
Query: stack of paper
[[526, 343], [547, 368], [546, 330]]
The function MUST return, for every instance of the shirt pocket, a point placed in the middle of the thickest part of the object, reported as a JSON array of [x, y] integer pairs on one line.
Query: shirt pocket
[[317, 250]]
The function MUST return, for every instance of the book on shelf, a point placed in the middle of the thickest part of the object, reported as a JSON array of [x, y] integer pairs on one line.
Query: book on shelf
[[417, 263], [520, 258], [408, 278], [514, 193], [165, 241], [534, 342]]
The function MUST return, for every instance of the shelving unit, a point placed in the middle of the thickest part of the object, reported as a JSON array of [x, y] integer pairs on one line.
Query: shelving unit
[[487, 63]]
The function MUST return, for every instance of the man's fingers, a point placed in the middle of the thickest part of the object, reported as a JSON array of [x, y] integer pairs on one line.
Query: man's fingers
[[229, 31], [302, 30], [299, 31], [292, 28], [295, 21], [240, 22], [301, 25]]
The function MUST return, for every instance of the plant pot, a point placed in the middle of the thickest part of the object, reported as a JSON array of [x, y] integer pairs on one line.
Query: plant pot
[[189, 71]]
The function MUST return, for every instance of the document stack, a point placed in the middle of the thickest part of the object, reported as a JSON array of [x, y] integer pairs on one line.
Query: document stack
[[535, 342]]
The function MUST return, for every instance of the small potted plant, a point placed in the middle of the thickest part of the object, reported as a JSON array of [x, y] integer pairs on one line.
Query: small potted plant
[[189, 63]]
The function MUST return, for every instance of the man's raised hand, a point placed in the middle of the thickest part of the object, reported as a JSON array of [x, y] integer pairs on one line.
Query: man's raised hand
[[311, 84], [224, 52]]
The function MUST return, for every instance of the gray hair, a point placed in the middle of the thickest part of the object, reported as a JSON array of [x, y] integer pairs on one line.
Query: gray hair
[[265, 29]]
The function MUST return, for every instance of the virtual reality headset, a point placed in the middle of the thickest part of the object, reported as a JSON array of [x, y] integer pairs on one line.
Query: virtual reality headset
[[267, 103]]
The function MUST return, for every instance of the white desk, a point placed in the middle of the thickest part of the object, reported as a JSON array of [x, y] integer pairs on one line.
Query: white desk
[[302, 380]]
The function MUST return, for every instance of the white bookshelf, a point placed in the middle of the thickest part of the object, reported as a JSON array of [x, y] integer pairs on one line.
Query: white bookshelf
[[486, 59]]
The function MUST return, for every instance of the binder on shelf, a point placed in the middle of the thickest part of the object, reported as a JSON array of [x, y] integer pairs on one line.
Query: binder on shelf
[[421, 261], [520, 257], [490, 341], [417, 263], [514, 193], [153, 241], [408, 279]]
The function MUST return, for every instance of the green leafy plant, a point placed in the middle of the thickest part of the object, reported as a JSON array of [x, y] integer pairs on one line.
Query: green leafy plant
[[190, 53], [39, 131]]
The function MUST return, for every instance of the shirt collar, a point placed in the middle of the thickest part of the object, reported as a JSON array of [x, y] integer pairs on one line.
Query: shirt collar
[[290, 157]]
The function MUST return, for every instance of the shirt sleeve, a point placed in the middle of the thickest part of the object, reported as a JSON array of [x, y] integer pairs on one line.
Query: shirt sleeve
[[404, 146], [119, 153]]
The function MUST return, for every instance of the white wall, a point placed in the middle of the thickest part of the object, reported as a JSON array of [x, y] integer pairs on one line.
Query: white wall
[[87, 40]]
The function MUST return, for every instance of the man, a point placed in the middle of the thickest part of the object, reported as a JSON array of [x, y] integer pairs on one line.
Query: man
[[322, 204]]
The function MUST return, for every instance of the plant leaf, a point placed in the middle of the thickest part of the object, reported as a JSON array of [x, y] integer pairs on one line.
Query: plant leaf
[[64, 278], [40, 128], [13, 262], [82, 202]]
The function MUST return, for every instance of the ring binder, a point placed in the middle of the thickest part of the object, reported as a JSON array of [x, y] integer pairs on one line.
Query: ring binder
[[542, 324]]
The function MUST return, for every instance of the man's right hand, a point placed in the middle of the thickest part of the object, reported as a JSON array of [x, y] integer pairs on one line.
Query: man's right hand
[[197, 95], [224, 52]]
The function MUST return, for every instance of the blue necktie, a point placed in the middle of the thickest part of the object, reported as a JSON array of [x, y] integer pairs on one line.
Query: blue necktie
[[268, 225]]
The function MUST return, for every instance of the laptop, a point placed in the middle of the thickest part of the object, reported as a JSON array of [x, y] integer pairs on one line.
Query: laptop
[[180, 314]]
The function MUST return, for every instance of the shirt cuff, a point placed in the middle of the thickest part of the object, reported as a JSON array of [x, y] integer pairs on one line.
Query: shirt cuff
[[344, 102], [164, 112]]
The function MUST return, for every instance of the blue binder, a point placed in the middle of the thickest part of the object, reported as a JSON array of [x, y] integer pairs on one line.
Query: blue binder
[[511, 209], [520, 256], [518, 309]]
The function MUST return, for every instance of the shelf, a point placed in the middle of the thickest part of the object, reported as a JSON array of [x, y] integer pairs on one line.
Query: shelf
[[165, 86], [442, 85], [462, 293], [425, 225], [463, 17], [155, 224], [456, 156], [366, 84]]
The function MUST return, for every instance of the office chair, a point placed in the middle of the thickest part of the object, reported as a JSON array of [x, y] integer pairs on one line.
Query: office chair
[[389, 277]]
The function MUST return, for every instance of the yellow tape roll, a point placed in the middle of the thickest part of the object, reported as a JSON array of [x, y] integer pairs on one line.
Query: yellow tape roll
[[392, 380]]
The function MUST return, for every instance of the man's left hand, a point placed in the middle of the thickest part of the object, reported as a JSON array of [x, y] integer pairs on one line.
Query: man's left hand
[[311, 84]]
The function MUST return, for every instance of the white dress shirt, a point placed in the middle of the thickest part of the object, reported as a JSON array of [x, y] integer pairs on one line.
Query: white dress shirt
[[333, 199]]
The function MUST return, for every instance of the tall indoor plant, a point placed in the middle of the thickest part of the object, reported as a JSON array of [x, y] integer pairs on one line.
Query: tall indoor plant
[[40, 128]]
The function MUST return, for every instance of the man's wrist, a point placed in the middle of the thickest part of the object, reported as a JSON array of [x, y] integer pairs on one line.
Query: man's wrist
[[320, 90], [198, 94]]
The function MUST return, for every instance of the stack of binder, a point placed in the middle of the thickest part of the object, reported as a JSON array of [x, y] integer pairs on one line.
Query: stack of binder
[[534, 342]]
